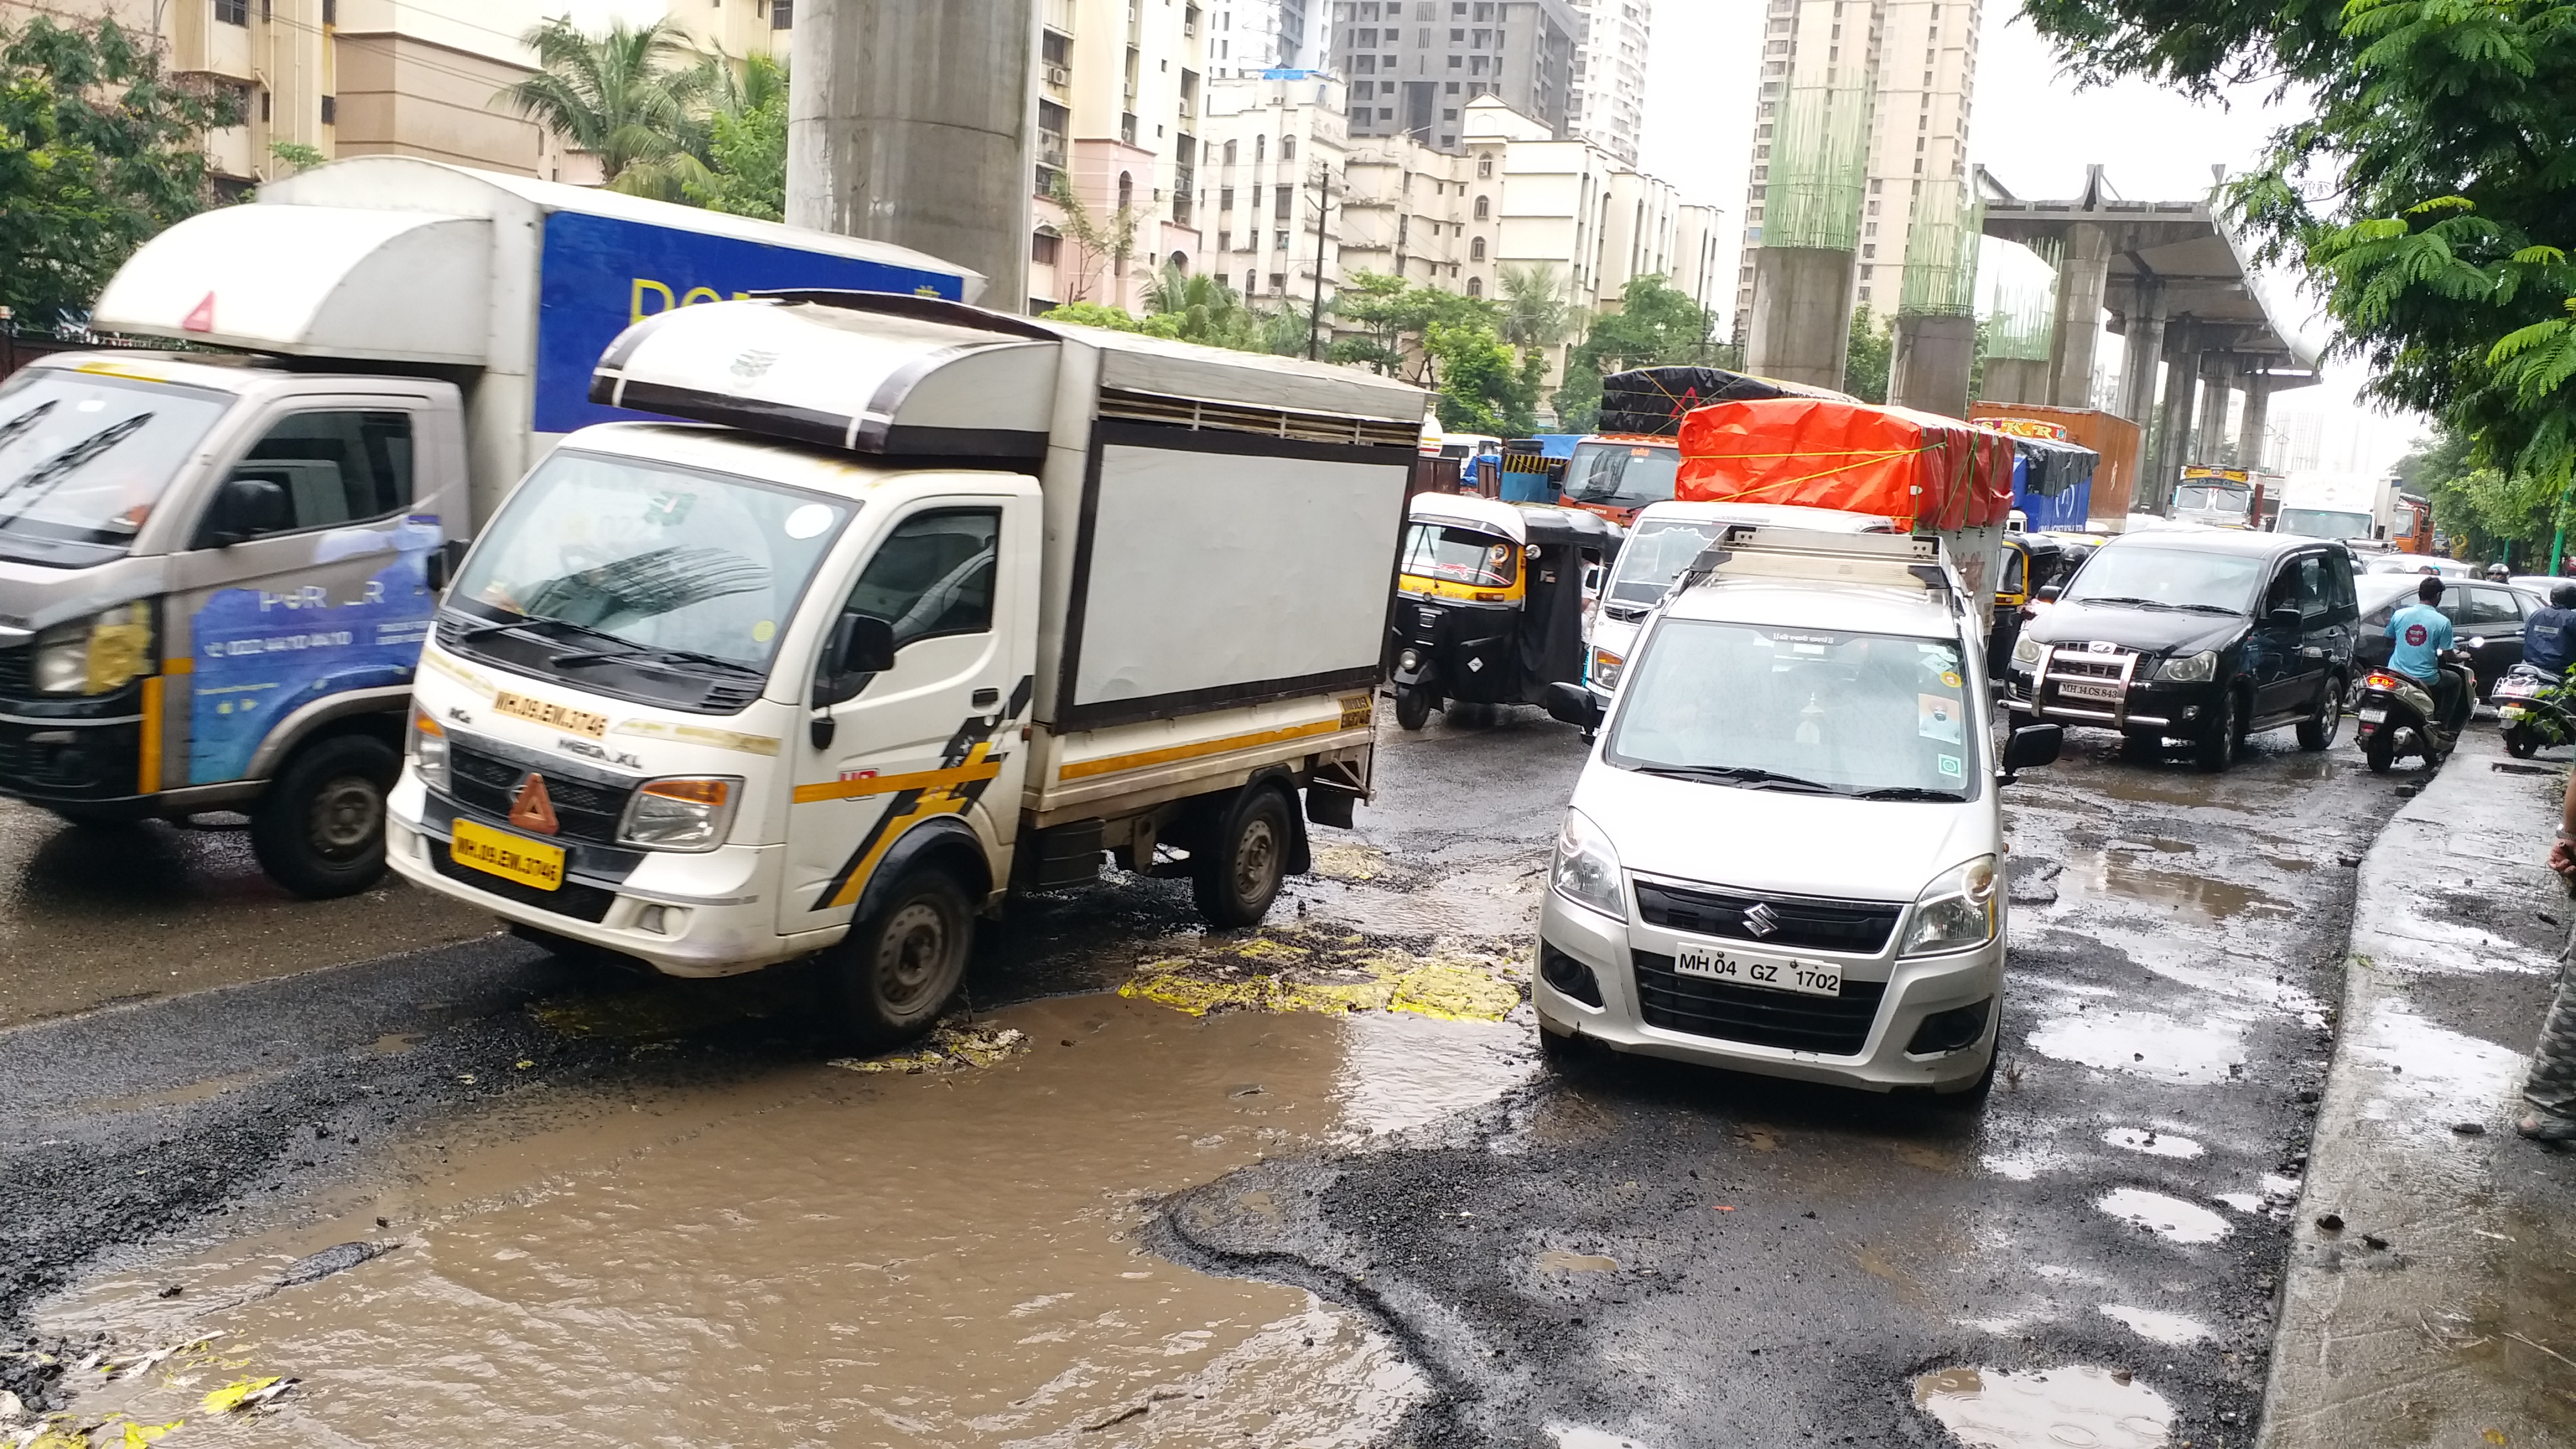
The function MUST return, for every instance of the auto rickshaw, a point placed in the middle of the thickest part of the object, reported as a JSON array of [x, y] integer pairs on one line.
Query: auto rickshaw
[[1489, 601], [2029, 560]]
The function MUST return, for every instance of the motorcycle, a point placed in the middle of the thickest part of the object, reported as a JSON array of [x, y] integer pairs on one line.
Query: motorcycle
[[2528, 700], [2398, 717]]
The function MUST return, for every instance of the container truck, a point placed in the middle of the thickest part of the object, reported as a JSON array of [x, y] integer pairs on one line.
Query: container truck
[[217, 565], [947, 605], [2353, 507]]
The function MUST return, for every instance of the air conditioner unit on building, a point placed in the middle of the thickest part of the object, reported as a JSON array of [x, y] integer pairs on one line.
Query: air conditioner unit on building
[[1058, 75]]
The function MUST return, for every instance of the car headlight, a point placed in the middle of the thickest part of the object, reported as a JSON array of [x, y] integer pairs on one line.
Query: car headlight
[[1409, 660], [1606, 667], [2197, 668], [2026, 652], [103, 652], [428, 746], [1957, 911], [1586, 869], [693, 813]]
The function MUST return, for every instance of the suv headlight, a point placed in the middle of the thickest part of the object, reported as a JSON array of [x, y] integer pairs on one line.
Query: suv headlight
[[690, 813], [2197, 668], [1606, 667], [428, 744], [2026, 651], [1957, 911], [103, 652], [1586, 869]]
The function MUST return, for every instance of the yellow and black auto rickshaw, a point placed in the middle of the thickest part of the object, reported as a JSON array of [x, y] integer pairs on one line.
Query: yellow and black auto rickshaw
[[1490, 600]]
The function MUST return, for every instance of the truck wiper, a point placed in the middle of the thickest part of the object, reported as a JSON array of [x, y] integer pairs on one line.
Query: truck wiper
[[1908, 792], [650, 652], [1747, 776], [493, 626]]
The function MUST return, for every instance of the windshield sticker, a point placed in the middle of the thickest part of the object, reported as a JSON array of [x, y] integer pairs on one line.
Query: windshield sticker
[[1950, 677], [809, 520], [764, 631], [1950, 766], [1937, 718], [670, 510]]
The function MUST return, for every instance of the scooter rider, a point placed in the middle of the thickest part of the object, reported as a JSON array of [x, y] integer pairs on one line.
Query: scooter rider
[[2419, 638], [2549, 635]]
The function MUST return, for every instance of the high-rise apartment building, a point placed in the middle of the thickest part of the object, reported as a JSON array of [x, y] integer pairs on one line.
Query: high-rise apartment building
[[1905, 72], [1414, 65], [1608, 105], [1120, 105], [1249, 37]]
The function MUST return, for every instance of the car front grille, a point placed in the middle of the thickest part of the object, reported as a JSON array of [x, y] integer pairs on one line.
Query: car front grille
[[490, 784], [17, 673], [1834, 1026], [581, 902], [1812, 923]]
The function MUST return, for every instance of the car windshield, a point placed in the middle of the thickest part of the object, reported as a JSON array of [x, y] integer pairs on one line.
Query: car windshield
[[657, 558], [84, 459], [2167, 578], [1460, 556], [1654, 556], [2213, 498], [1799, 709], [1625, 473], [2323, 523]]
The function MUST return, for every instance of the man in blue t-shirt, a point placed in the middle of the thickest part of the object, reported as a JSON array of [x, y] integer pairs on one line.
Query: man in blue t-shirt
[[2418, 636], [2549, 635]]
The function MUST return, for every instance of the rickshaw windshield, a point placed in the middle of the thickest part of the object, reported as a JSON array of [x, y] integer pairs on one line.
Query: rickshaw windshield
[[1460, 556]]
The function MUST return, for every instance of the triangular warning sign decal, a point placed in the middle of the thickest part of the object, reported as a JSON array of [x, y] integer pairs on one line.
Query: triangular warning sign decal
[[202, 318], [533, 810]]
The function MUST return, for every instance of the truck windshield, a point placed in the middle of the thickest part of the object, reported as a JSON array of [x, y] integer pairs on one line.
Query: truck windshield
[[2167, 578], [1653, 557], [2323, 523], [675, 564], [1758, 707], [85, 457], [1460, 556], [1628, 474], [2213, 498]]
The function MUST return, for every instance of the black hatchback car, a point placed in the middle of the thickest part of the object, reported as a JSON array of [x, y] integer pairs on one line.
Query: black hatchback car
[[2199, 634], [2486, 621]]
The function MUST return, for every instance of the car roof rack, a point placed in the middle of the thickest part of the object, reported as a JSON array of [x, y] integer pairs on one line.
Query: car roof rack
[[1883, 560]]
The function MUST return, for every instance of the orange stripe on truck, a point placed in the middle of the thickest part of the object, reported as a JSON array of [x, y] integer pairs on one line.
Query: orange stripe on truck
[[888, 784], [1143, 759]]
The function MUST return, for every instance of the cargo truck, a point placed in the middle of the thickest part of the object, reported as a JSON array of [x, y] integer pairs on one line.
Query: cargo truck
[[948, 605], [217, 565]]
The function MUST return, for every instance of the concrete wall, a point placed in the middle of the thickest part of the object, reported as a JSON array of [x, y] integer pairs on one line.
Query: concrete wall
[[405, 97]]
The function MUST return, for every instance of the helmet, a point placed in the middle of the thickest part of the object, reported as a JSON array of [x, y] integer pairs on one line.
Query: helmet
[[2498, 572], [2563, 597]]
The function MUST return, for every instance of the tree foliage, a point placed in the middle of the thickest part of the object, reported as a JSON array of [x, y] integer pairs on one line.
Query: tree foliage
[[98, 150], [1655, 323], [1095, 239], [746, 139], [1870, 355], [633, 96]]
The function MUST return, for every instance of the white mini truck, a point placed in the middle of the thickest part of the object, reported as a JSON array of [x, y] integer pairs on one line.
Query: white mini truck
[[1785, 855], [931, 605]]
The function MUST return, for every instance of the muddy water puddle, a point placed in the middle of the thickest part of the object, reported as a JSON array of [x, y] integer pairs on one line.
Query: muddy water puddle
[[819, 1255], [2041, 1409]]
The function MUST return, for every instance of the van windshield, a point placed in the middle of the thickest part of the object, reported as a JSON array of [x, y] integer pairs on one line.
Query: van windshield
[[1655, 555], [84, 459], [1627, 474], [639, 561], [2167, 578], [2323, 523], [1460, 556], [1875, 716]]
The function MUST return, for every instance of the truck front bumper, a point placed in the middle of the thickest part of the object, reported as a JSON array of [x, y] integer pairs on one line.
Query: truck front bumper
[[83, 766]]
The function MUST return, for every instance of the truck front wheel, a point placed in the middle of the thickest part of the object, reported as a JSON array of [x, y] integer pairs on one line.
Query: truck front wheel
[[1238, 871], [319, 830], [899, 968]]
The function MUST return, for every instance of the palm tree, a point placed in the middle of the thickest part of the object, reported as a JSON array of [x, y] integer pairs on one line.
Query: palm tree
[[1208, 309], [1535, 310], [623, 96]]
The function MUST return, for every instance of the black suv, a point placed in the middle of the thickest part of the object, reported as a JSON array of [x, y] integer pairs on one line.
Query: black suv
[[2198, 634]]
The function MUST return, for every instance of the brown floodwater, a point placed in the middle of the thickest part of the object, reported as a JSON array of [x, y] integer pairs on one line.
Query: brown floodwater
[[825, 1256]]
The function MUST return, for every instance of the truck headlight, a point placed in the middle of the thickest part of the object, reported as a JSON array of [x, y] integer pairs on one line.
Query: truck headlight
[[1586, 869], [103, 652], [2197, 668], [2026, 652], [1956, 911], [1606, 667], [694, 813], [428, 746]]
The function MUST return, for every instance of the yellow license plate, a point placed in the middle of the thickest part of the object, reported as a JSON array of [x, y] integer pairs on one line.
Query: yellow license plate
[[546, 712], [511, 857]]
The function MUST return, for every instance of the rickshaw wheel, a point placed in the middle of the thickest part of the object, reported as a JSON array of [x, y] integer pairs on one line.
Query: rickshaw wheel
[[1412, 707]]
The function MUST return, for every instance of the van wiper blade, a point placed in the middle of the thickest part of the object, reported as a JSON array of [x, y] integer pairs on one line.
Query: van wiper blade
[[632, 653], [2124, 599], [1909, 792], [1747, 776]]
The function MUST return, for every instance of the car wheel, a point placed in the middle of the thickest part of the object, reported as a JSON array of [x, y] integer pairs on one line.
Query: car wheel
[[319, 830], [897, 970], [1412, 707], [2318, 731], [1238, 875], [2216, 748]]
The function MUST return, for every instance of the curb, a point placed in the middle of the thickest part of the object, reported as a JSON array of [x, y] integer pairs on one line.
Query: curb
[[2409, 1324]]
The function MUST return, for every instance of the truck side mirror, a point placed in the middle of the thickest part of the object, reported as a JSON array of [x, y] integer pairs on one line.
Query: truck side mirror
[[2032, 746], [1573, 704], [861, 647], [243, 509]]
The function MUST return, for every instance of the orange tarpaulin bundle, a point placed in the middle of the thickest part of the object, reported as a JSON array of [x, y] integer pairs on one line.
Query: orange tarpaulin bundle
[[1917, 468]]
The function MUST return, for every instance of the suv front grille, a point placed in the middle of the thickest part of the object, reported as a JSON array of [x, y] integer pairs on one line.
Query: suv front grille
[[2088, 666], [1834, 1026], [1812, 923], [490, 784], [17, 673]]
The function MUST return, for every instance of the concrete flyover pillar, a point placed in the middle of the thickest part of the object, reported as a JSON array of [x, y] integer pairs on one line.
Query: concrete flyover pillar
[[2082, 275], [2250, 431], [1801, 327], [914, 122], [2145, 349], [2015, 380], [2173, 429], [2218, 396], [1934, 356]]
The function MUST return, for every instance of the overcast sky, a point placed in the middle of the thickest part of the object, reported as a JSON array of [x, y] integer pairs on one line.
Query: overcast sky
[[2031, 128]]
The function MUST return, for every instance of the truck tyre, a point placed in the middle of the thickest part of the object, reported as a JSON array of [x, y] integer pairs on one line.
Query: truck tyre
[[1238, 872], [2318, 731], [319, 830], [1412, 707], [898, 969], [2216, 747]]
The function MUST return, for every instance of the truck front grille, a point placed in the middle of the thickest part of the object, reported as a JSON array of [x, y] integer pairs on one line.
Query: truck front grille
[[490, 784], [1813, 923], [1834, 1026]]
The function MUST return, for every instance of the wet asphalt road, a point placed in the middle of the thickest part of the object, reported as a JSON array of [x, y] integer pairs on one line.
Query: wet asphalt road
[[1626, 1249]]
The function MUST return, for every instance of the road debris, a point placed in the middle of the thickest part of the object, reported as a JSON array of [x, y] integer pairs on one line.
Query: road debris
[[1299, 971], [948, 1049]]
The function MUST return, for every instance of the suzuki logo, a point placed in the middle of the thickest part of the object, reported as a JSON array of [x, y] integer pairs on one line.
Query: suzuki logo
[[534, 810], [1760, 921]]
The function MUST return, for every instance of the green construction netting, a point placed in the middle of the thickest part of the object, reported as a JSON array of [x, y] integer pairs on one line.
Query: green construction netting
[[1941, 251], [2019, 312], [1819, 161]]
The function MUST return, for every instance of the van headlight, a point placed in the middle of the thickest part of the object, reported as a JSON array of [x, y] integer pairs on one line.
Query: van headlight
[[2026, 652], [1956, 911], [1586, 869], [103, 652], [691, 813], [1606, 667], [428, 745], [2197, 668]]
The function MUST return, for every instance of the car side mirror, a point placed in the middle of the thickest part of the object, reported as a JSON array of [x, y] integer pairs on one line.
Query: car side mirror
[[1573, 704], [2032, 746], [2050, 592], [861, 648], [245, 508], [2285, 617]]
